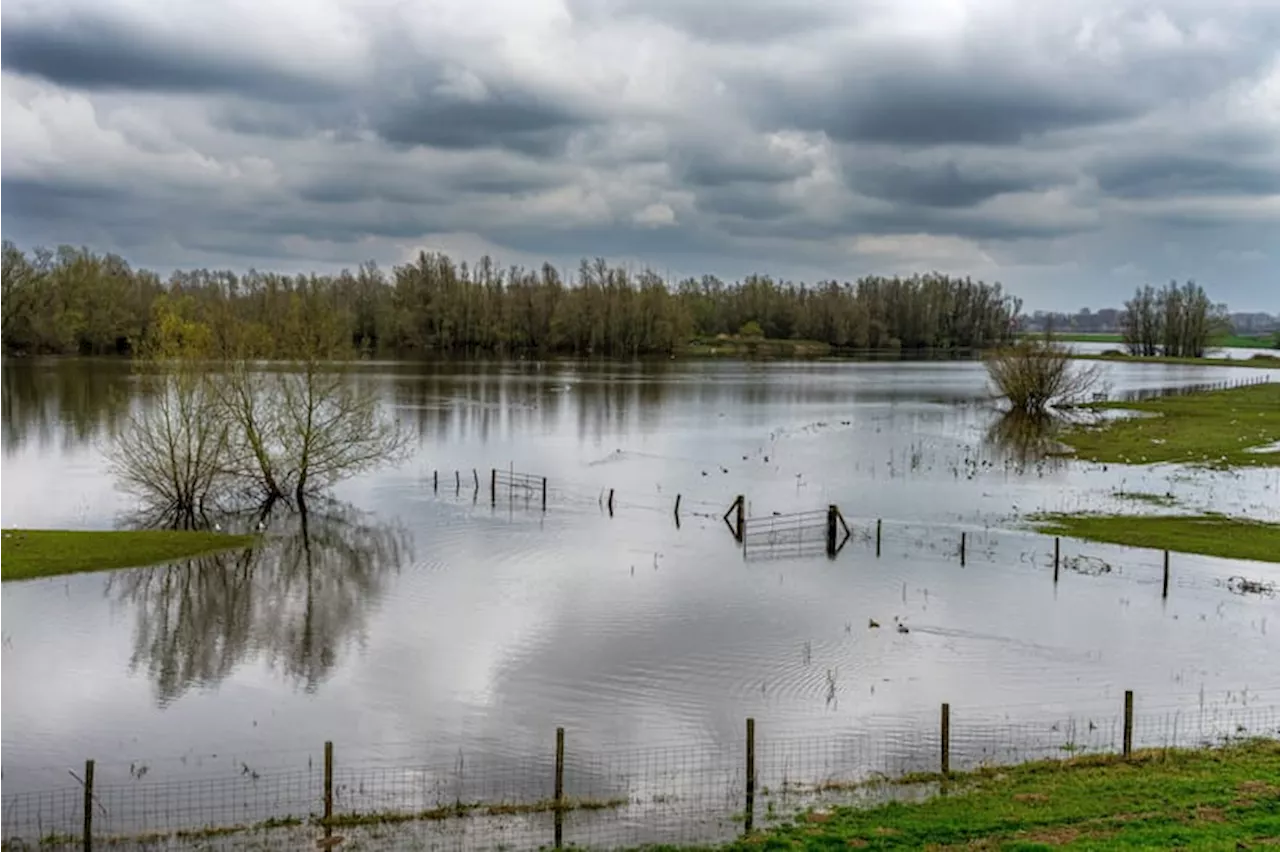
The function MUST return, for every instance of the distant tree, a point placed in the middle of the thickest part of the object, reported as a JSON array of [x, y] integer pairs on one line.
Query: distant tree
[[18, 305]]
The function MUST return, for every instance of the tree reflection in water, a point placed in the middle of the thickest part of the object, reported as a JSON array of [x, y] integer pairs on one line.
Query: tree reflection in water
[[297, 599], [1026, 440]]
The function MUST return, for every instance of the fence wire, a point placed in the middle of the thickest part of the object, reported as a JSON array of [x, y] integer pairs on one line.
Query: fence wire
[[694, 793]]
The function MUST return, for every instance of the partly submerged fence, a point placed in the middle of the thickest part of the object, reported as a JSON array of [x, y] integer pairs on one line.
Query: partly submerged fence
[[566, 794]]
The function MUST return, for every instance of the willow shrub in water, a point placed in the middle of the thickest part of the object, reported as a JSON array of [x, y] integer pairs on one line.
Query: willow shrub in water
[[1034, 375]]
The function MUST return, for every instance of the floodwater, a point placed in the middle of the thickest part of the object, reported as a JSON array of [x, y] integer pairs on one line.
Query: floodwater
[[417, 618]]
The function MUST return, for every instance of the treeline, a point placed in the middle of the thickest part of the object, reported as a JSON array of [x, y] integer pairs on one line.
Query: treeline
[[1174, 321], [72, 301]]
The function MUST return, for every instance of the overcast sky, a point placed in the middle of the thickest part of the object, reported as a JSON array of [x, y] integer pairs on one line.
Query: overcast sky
[[1070, 149]]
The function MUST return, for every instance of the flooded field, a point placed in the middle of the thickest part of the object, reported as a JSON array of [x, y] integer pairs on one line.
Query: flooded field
[[419, 622]]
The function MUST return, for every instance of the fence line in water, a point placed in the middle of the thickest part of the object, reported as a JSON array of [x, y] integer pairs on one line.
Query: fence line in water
[[571, 794], [815, 532]]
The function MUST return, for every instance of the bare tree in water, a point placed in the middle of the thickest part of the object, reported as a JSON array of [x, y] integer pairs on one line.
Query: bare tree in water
[[303, 425], [174, 450], [223, 433]]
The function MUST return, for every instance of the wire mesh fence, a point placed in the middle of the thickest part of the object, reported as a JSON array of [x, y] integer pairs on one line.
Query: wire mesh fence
[[589, 797]]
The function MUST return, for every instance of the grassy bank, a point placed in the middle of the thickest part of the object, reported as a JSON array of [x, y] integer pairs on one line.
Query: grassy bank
[[1213, 427], [1256, 361], [1230, 341], [1206, 799], [30, 554], [1211, 535]]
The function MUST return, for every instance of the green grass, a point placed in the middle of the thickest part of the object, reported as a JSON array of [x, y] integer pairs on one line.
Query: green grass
[[1210, 799], [1215, 428], [1256, 361], [1211, 535], [30, 554], [1242, 341]]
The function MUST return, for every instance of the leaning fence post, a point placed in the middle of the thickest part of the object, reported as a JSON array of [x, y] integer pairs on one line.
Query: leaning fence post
[[611, 502], [1128, 723], [1057, 554], [677, 510], [88, 806], [831, 531], [1164, 591], [946, 739], [749, 818], [328, 788], [962, 540], [559, 789], [879, 523], [475, 474]]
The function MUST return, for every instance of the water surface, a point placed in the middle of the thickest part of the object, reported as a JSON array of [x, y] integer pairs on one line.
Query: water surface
[[411, 621]]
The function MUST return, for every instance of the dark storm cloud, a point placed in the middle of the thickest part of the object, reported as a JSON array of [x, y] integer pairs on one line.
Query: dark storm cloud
[[93, 52], [1165, 175], [932, 185], [502, 117], [918, 105], [723, 164], [378, 183], [37, 199]]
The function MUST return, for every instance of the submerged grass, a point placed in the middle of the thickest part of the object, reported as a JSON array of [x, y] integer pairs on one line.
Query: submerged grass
[[1227, 798], [1210, 535], [31, 554], [1217, 428], [1148, 498]]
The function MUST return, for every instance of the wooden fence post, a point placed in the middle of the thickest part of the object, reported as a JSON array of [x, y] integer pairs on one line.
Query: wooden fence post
[[476, 475], [88, 806], [435, 480], [493, 486], [879, 524], [559, 789], [749, 819], [611, 502], [457, 482], [946, 739], [737, 506], [831, 531], [328, 788], [677, 510], [544, 494], [1164, 591], [1128, 722], [1057, 555], [962, 543]]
